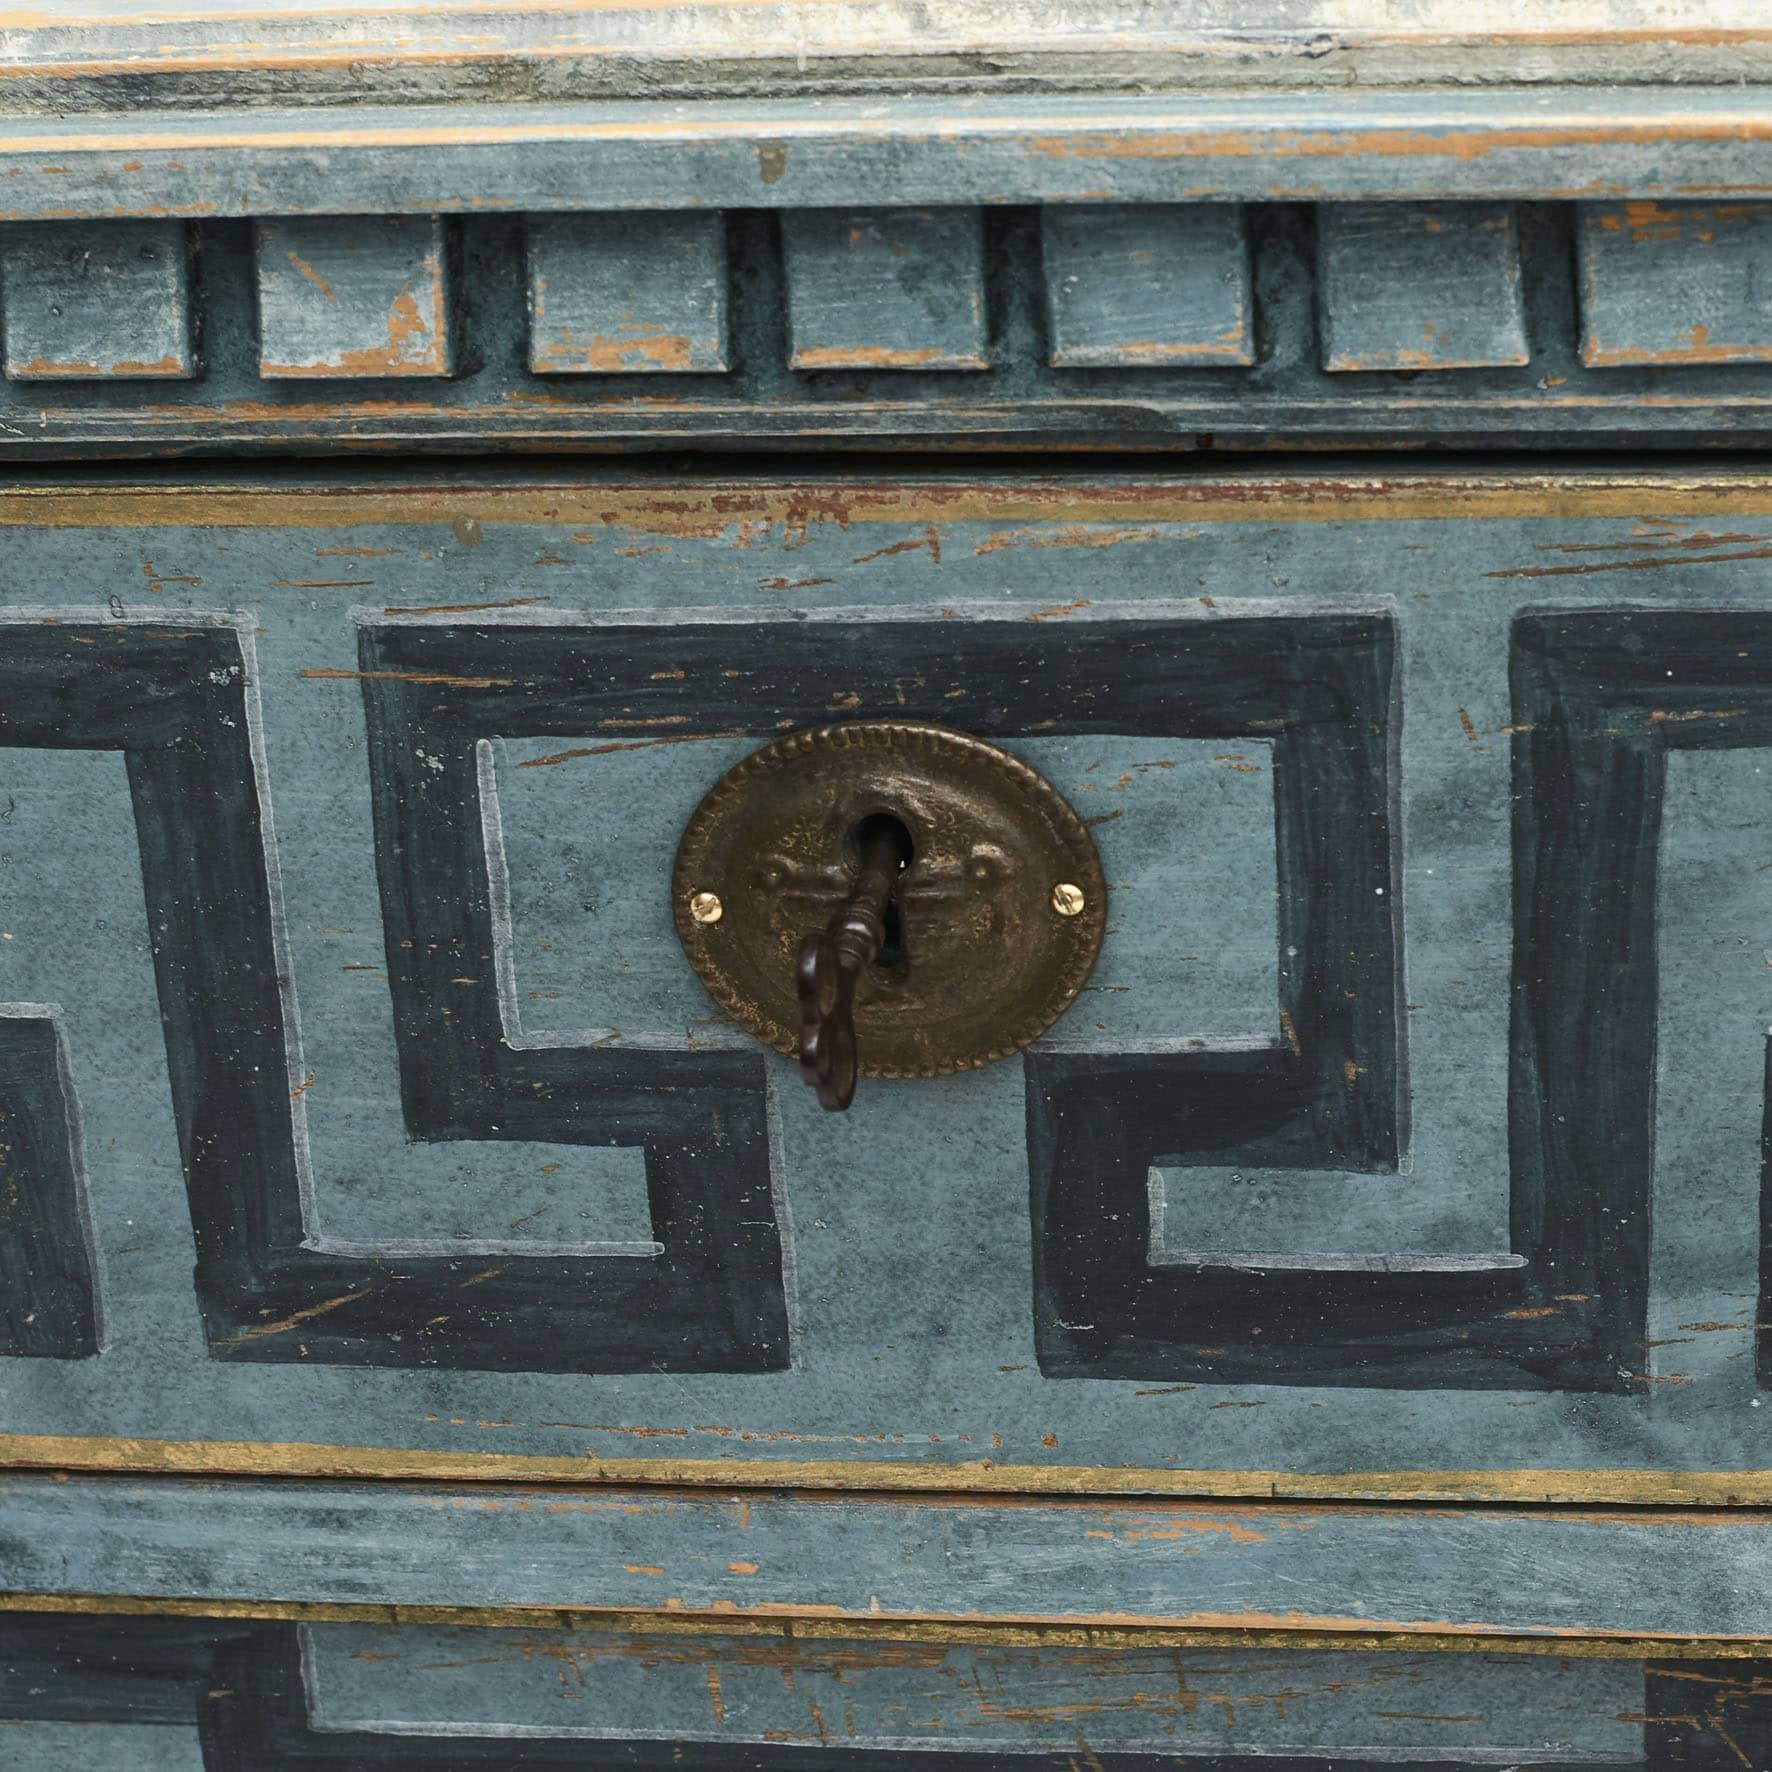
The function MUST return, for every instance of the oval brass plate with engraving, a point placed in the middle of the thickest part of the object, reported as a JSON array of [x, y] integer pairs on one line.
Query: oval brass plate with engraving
[[994, 925]]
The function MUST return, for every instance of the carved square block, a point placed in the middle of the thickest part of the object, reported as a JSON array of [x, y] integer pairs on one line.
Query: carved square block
[[627, 294], [354, 297], [885, 288], [1675, 284], [97, 301], [1147, 286], [1420, 286]]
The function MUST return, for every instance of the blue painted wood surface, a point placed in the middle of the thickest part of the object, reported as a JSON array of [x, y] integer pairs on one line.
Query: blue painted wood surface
[[501, 597], [1146, 287], [412, 157], [1446, 1574], [885, 289], [51, 1307], [1675, 284], [231, 1694], [634, 295], [1192, 325], [102, 302], [1409, 1143], [353, 299], [1420, 286]]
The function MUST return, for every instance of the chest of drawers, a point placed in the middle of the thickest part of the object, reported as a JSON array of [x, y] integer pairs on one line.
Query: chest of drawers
[[1325, 451]]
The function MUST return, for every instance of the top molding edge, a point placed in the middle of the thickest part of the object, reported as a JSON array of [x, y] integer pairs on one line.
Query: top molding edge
[[1517, 143], [98, 56]]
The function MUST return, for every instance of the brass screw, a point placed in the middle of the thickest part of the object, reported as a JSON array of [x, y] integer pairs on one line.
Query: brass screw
[[1067, 899], [705, 907]]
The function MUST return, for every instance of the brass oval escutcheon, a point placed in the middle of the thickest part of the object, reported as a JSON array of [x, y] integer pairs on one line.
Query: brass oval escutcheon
[[996, 918]]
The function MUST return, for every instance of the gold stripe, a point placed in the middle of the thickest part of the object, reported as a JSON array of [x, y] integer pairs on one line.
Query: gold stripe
[[269, 1458], [709, 507], [813, 1630]]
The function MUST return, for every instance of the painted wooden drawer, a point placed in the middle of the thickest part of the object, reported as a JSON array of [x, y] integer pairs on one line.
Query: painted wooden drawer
[[364, 1116], [239, 1695], [434, 1333]]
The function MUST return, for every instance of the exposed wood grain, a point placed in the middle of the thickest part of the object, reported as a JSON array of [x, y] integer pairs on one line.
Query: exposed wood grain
[[86, 57]]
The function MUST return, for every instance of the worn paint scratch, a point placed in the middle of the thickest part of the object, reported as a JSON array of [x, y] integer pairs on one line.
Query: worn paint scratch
[[297, 1317], [326, 674]]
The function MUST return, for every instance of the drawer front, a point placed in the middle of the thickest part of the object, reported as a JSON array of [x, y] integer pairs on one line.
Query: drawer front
[[238, 1695], [364, 1116]]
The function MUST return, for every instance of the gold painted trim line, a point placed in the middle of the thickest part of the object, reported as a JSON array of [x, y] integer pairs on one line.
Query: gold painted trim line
[[707, 507], [811, 1630], [276, 1459]]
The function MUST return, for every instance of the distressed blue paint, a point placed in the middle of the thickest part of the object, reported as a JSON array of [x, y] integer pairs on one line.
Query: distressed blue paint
[[1675, 284], [1420, 286], [628, 294], [357, 299], [948, 1696], [885, 288], [1152, 256], [1261, 1565], [884, 1701], [1150, 287], [964, 148], [1248, 373], [111, 300], [892, 1361]]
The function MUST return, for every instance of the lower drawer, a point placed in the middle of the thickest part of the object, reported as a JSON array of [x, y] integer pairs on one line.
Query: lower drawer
[[198, 1694]]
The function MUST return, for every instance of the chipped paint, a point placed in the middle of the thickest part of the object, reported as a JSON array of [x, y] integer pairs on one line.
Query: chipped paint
[[875, 357], [172, 365]]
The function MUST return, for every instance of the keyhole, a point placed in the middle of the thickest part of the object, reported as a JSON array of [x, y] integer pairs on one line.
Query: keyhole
[[885, 827]]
